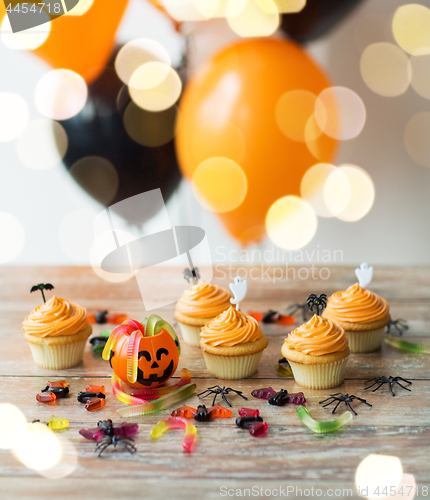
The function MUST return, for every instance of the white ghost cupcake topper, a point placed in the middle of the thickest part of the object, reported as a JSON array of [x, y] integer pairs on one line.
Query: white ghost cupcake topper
[[364, 274], [239, 288]]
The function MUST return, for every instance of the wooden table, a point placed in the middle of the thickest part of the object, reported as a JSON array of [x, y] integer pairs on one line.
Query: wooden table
[[225, 456]]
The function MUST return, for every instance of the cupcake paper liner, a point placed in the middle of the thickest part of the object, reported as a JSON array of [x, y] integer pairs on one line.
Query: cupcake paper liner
[[323, 376], [232, 367], [190, 334], [58, 357], [360, 341]]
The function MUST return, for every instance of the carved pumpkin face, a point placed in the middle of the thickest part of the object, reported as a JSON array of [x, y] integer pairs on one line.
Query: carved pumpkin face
[[143, 355]]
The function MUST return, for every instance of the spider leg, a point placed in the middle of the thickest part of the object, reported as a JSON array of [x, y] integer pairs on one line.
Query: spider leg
[[374, 383], [200, 396], [337, 394], [398, 383], [361, 400], [335, 408], [350, 407], [402, 379], [216, 394], [321, 402], [382, 383], [102, 448], [371, 380], [224, 398]]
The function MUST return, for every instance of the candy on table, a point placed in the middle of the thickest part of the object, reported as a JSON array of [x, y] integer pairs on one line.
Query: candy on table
[[123, 396], [245, 422], [94, 404], [403, 345], [57, 383], [176, 423], [322, 427], [98, 342], [272, 317], [284, 368], [160, 403], [248, 412], [162, 391], [97, 433], [60, 392], [257, 429], [201, 413], [83, 397], [102, 317], [282, 397], [108, 434], [46, 397], [264, 393], [57, 423], [95, 388], [297, 398]]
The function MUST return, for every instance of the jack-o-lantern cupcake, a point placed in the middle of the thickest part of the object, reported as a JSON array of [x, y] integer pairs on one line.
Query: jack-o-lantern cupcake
[[57, 332], [197, 306], [317, 352], [362, 314], [232, 345]]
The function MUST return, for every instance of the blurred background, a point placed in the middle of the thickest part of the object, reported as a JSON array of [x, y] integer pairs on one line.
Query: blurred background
[[273, 124]]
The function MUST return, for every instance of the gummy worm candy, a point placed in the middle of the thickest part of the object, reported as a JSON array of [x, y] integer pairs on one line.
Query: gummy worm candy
[[133, 355], [128, 327], [322, 427], [162, 391], [407, 346], [176, 423], [285, 371], [122, 396], [160, 403], [154, 324]]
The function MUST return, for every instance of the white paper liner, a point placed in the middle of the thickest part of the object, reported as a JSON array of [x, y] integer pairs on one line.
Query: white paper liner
[[369, 341], [324, 376], [190, 334], [232, 367], [58, 357]]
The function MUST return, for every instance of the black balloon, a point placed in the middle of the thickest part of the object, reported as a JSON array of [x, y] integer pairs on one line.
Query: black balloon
[[316, 19], [103, 158]]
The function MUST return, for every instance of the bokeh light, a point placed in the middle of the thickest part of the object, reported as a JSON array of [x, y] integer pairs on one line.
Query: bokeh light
[[148, 128], [219, 184], [43, 144], [417, 138], [61, 94], [291, 223], [408, 484], [14, 116], [293, 112], [360, 197], [340, 113], [40, 449], [67, 463], [12, 237], [155, 86], [13, 424], [81, 8], [79, 222], [385, 69], [137, 53], [251, 18], [29, 39], [98, 176], [218, 139], [207, 8], [103, 244], [289, 6], [325, 202], [411, 28], [315, 139], [187, 10], [377, 472], [421, 75]]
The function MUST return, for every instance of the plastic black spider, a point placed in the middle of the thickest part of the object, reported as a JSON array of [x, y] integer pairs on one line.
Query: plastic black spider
[[319, 302], [191, 274], [112, 439], [400, 325], [387, 380], [217, 390], [294, 308], [343, 398]]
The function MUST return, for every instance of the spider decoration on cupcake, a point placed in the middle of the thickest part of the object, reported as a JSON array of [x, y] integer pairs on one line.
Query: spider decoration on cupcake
[[400, 325], [319, 302], [219, 391], [108, 434], [387, 380], [294, 308], [191, 274], [41, 287], [342, 398]]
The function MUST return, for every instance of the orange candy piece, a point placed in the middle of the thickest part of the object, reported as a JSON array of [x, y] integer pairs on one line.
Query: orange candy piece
[[94, 404], [46, 397], [95, 388]]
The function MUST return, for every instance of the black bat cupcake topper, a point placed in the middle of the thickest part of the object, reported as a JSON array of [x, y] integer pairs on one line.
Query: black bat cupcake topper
[[41, 287], [319, 302]]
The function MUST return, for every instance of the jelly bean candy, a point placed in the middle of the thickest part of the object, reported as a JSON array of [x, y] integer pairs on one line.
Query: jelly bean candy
[[245, 422], [258, 429], [60, 392], [94, 404], [248, 412], [264, 393], [57, 383], [95, 388], [83, 397], [281, 398], [46, 397], [57, 423]]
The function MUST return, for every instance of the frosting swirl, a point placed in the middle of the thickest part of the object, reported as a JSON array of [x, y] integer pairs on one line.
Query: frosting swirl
[[230, 328], [54, 318], [356, 305], [317, 337], [204, 300]]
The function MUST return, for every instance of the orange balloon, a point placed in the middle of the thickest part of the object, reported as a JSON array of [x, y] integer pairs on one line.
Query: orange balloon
[[229, 109], [83, 43]]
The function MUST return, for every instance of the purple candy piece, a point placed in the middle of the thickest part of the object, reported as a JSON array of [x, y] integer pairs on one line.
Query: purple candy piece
[[248, 412], [93, 434], [258, 429], [126, 429], [297, 399], [264, 393]]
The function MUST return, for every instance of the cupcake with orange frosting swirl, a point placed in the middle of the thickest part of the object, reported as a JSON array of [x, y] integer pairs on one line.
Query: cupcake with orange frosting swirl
[[197, 306], [232, 344], [57, 332], [362, 314], [317, 352]]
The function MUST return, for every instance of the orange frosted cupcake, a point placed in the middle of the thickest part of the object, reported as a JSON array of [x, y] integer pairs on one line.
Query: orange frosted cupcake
[[317, 352], [232, 345], [362, 314], [57, 332], [197, 306]]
